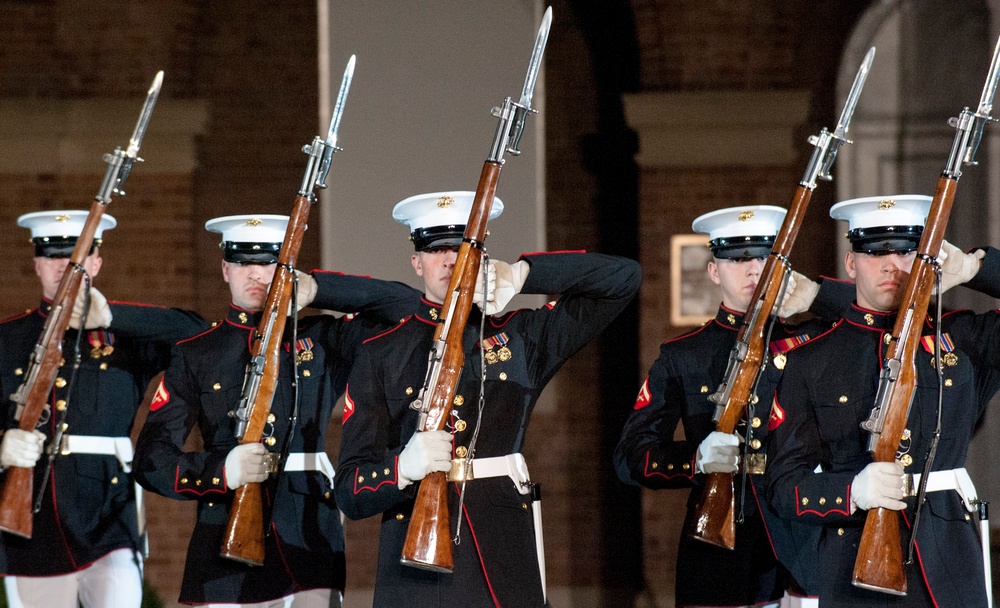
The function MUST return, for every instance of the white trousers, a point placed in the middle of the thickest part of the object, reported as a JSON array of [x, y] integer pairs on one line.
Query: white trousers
[[114, 581], [313, 598]]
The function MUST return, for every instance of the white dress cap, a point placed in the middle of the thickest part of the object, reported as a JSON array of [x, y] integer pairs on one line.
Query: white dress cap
[[883, 211], [250, 239], [62, 223], [437, 219], [748, 220]]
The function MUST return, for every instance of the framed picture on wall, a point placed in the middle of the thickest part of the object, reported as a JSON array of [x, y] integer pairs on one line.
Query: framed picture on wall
[[694, 298]]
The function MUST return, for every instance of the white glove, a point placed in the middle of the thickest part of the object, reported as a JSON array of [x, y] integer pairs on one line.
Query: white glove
[[307, 289], [246, 463], [799, 295], [957, 267], [880, 484], [718, 453], [99, 314], [504, 281], [21, 448], [425, 452]]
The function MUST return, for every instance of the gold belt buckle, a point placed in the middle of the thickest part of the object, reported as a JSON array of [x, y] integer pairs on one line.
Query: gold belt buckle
[[271, 462], [461, 470], [909, 488], [756, 463], [64, 446]]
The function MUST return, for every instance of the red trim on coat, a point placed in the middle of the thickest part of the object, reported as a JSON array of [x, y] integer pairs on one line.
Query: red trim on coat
[[524, 255], [479, 552], [388, 331], [845, 511], [177, 479], [207, 331], [920, 562], [143, 304], [690, 475], [337, 272], [357, 473], [20, 316]]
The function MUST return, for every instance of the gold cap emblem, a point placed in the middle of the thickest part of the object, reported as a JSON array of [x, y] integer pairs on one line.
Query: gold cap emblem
[[254, 222], [62, 218], [886, 204], [445, 201], [746, 216]]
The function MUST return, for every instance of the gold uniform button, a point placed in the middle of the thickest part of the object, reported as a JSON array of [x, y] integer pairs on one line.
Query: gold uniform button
[[839, 500], [184, 479], [805, 501], [460, 426], [271, 418], [361, 478], [840, 531], [216, 481], [822, 500], [755, 423], [374, 474], [967, 518], [18, 371], [114, 480], [216, 386], [326, 495], [843, 399], [271, 441], [399, 517], [686, 466], [755, 444], [60, 382], [409, 390], [306, 373], [62, 362], [214, 323], [907, 460], [385, 471], [655, 465], [948, 382], [755, 400], [61, 405], [670, 467], [103, 365], [779, 361], [887, 338], [704, 389], [459, 400], [524, 506], [197, 482], [461, 451], [503, 375], [211, 504]]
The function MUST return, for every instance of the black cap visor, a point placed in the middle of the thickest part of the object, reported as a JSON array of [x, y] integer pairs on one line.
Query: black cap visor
[[434, 237], [741, 247], [59, 246], [885, 239], [250, 253]]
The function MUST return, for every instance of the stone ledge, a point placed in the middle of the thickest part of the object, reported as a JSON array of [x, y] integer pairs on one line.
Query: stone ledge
[[717, 128]]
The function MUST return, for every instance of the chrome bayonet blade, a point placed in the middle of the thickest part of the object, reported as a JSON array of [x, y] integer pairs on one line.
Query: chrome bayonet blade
[[147, 110], [840, 131], [990, 88], [338, 108], [536, 59]]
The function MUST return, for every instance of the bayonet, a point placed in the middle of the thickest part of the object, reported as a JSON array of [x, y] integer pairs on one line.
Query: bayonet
[[321, 151], [120, 161], [828, 143], [971, 124], [510, 138]]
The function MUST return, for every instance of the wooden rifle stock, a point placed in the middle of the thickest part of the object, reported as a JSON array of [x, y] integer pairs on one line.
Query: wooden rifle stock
[[428, 538], [713, 519], [244, 537], [33, 395], [879, 564]]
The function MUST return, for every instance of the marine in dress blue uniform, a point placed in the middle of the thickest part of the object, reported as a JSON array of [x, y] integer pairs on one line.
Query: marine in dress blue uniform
[[497, 562], [304, 547], [820, 475], [86, 542], [677, 390]]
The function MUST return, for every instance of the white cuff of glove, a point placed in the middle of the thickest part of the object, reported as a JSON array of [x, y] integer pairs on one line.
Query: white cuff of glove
[[21, 448], [426, 452], [98, 314], [957, 267], [307, 289], [880, 484], [503, 282], [246, 463], [718, 453], [799, 295]]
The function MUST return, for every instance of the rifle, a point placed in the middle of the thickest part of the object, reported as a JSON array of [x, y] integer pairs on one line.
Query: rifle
[[879, 564], [244, 537], [713, 519], [428, 543], [32, 396]]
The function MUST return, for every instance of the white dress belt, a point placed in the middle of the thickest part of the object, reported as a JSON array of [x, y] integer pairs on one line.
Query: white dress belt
[[310, 461], [119, 447]]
